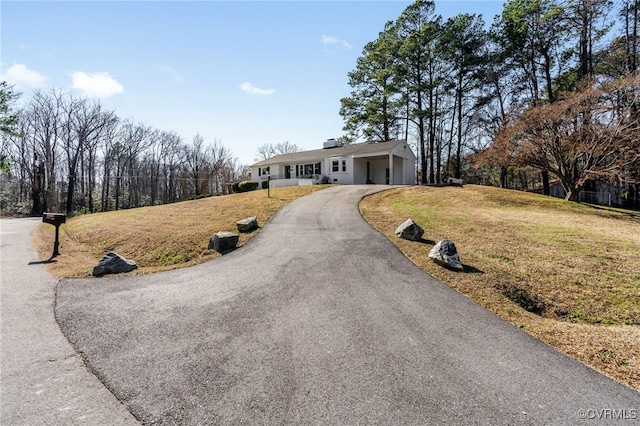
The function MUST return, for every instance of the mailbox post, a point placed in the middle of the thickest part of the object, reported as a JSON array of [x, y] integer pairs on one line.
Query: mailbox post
[[55, 219]]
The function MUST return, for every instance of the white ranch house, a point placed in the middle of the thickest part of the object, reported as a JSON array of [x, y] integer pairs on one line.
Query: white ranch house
[[391, 163]]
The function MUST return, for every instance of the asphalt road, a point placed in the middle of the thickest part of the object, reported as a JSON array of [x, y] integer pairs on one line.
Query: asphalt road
[[321, 320], [42, 379]]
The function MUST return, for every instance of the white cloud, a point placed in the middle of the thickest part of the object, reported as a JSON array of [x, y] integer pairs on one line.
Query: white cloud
[[173, 73], [253, 90], [328, 40], [99, 85], [21, 75]]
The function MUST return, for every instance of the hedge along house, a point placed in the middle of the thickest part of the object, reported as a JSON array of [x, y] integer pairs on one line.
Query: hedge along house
[[391, 163]]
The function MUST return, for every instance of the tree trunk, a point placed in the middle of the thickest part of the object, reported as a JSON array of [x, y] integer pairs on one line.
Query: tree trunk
[[385, 129], [503, 177], [450, 145], [118, 183], [583, 69], [572, 195], [459, 135], [37, 207], [423, 154], [546, 189], [90, 182], [547, 75], [104, 205], [70, 189], [572, 190], [439, 154]]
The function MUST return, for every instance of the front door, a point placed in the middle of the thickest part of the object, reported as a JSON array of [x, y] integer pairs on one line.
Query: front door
[[287, 172]]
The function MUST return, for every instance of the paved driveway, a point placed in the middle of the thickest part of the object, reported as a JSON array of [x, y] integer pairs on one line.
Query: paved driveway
[[42, 379], [321, 320]]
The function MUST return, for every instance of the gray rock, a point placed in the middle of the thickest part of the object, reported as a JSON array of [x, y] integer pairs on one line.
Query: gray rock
[[409, 230], [445, 253], [223, 241], [454, 182], [248, 224], [113, 263]]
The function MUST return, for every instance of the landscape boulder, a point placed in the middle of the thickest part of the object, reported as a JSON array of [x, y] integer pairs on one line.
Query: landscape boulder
[[248, 224], [113, 263], [409, 230], [223, 241], [445, 253], [454, 182]]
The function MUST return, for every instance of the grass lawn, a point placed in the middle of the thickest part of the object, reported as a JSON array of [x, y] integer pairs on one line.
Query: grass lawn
[[567, 273]]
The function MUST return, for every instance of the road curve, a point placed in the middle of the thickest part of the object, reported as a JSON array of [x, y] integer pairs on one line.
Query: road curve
[[321, 320]]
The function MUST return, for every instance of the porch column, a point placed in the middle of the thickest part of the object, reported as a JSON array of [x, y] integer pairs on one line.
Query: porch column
[[404, 171], [390, 169]]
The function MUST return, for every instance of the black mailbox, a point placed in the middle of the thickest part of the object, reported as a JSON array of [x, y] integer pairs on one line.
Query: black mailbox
[[55, 219]]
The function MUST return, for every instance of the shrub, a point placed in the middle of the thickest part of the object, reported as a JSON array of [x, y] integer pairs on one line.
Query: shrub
[[247, 185], [265, 184]]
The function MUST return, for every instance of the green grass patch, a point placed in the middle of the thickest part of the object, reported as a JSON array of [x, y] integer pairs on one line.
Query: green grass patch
[[170, 259], [500, 257]]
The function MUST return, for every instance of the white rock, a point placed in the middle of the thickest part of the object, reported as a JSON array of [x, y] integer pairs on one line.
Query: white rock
[[445, 253]]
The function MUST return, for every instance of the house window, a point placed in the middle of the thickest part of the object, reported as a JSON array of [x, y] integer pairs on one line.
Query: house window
[[308, 169], [263, 171], [338, 166]]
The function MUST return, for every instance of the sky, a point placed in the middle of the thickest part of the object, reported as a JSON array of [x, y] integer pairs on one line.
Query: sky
[[244, 73]]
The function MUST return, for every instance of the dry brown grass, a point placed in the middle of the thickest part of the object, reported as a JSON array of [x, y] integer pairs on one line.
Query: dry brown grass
[[161, 237], [575, 268]]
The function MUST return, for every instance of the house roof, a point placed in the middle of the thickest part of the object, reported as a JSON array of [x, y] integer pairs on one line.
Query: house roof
[[320, 154]]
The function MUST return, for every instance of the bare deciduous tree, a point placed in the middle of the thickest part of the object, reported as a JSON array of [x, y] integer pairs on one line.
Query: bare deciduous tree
[[269, 150], [589, 134]]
